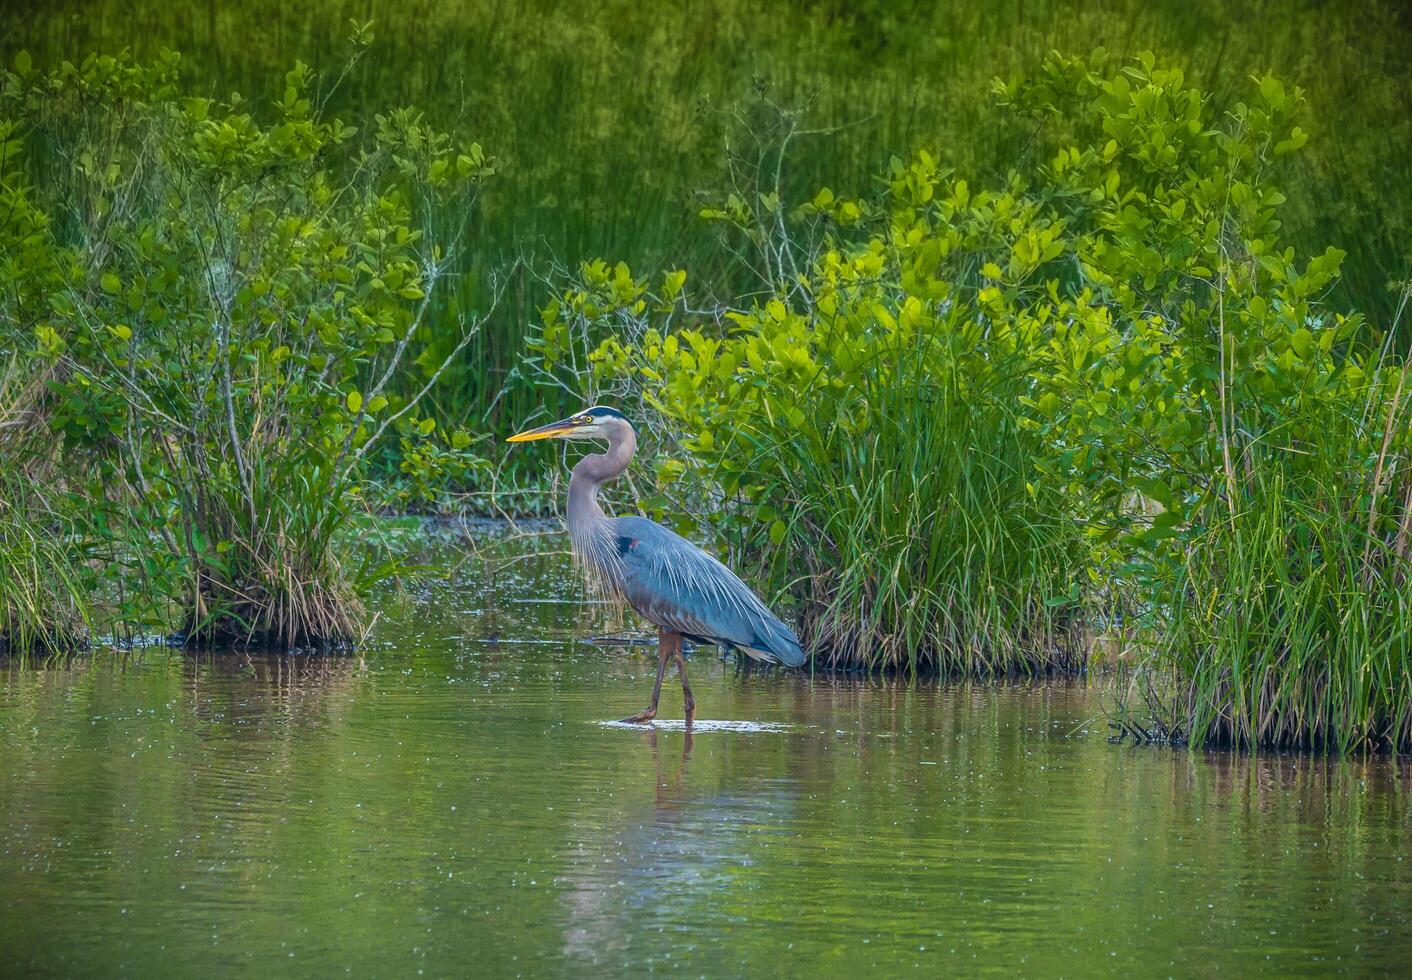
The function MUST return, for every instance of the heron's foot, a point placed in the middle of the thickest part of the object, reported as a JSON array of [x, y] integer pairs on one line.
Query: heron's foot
[[641, 718]]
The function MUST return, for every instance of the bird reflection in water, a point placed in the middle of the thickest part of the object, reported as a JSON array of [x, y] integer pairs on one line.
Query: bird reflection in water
[[624, 881]]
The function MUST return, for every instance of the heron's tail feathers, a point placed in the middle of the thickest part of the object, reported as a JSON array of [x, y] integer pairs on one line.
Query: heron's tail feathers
[[778, 644]]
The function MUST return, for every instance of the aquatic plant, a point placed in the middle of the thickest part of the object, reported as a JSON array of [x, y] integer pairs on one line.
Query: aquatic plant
[[912, 528], [962, 424], [222, 306], [1287, 618], [44, 593], [44, 601], [859, 433], [1237, 442]]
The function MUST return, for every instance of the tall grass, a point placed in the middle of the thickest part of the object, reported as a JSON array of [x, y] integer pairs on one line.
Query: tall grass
[[44, 604], [1289, 619], [44, 598], [608, 117], [919, 536]]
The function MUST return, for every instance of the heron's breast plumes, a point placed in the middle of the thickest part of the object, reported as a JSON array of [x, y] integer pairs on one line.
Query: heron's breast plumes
[[597, 554]]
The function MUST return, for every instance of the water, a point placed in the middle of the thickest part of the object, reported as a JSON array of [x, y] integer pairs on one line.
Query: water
[[449, 805]]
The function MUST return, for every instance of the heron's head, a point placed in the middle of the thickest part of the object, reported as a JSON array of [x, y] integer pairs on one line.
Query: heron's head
[[597, 422]]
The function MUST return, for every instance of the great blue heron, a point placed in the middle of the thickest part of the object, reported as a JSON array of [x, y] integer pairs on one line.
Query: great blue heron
[[667, 579]]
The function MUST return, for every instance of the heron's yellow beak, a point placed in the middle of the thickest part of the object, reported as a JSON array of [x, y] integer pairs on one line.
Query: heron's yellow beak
[[543, 432]]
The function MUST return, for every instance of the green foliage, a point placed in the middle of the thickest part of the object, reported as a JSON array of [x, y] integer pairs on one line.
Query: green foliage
[[965, 421], [45, 588], [220, 302], [1198, 371], [610, 116], [1291, 619], [44, 593], [835, 430], [42, 609]]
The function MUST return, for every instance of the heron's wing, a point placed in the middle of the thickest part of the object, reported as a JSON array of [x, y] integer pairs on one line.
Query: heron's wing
[[678, 586]]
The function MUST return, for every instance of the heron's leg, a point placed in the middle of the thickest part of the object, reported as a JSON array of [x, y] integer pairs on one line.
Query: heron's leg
[[687, 700], [664, 652]]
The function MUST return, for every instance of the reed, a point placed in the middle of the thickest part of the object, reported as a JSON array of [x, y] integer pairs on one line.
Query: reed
[[914, 535], [44, 595], [44, 603], [1290, 618]]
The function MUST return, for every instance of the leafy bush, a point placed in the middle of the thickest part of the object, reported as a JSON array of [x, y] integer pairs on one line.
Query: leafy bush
[[1198, 369], [861, 427], [870, 450], [609, 116], [1104, 390], [220, 305]]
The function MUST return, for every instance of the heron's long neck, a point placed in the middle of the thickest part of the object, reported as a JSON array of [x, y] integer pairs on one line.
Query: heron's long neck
[[588, 525]]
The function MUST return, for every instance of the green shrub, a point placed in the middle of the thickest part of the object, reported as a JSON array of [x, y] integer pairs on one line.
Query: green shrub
[[862, 428], [223, 305], [962, 424], [609, 116], [1200, 372], [870, 453]]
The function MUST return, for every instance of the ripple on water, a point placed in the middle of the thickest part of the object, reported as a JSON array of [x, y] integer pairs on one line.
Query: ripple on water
[[707, 725]]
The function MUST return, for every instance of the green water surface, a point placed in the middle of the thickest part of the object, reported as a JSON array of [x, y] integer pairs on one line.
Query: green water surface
[[450, 803]]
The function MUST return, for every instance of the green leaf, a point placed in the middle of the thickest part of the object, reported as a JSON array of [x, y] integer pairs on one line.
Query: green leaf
[[355, 402], [672, 283]]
